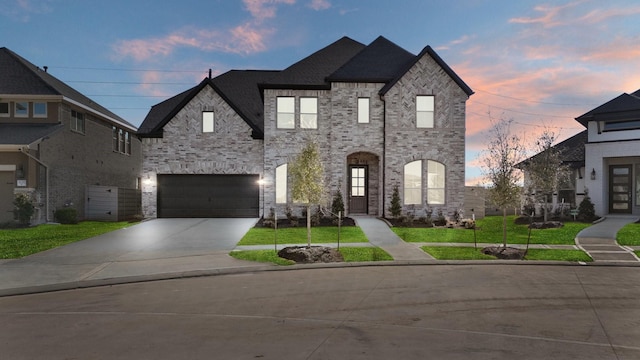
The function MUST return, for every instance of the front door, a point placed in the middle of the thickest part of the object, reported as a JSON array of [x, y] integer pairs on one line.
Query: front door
[[620, 189], [358, 189]]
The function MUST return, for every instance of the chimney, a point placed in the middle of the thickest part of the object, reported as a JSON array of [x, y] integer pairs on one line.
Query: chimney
[[209, 73], [45, 68]]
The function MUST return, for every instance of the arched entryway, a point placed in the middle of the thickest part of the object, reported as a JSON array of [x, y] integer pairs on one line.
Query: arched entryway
[[363, 186]]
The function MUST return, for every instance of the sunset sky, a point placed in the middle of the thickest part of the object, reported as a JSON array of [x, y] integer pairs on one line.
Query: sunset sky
[[540, 64]]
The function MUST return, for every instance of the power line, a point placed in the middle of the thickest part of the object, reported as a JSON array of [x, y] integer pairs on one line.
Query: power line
[[129, 70], [532, 101], [130, 96], [124, 82], [520, 112], [533, 125]]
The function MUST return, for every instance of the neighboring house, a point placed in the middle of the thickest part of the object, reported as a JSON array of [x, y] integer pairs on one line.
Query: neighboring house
[[382, 117], [606, 157], [612, 155], [571, 192], [56, 144]]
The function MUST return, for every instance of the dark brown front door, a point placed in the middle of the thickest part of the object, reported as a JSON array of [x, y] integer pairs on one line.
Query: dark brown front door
[[620, 189], [358, 189]]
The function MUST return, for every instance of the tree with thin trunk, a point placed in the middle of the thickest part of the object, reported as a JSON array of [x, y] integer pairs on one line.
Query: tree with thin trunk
[[307, 185], [505, 151], [545, 170]]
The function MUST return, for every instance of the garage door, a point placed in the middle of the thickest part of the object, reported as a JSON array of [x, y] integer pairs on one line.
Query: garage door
[[208, 196]]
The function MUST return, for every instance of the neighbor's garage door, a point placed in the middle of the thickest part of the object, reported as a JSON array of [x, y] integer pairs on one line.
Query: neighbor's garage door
[[181, 196]]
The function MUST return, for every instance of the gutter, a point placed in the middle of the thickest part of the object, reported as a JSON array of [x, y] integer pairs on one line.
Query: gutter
[[46, 185]]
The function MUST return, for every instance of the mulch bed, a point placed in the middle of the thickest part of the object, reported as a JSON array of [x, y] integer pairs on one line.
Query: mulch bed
[[302, 222]]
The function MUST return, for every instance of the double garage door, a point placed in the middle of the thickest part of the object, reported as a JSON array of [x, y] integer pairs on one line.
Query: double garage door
[[206, 196]]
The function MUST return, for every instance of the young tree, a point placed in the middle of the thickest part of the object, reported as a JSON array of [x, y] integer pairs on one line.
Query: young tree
[[396, 206], [504, 152], [545, 170], [307, 185]]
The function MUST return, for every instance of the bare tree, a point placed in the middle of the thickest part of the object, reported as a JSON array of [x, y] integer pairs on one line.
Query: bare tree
[[307, 185], [505, 151], [545, 170]]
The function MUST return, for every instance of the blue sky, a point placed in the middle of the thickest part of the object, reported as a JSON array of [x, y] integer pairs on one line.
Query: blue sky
[[540, 64]]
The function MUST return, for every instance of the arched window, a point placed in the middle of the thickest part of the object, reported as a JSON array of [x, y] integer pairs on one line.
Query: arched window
[[413, 183], [281, 184], [436, 182]]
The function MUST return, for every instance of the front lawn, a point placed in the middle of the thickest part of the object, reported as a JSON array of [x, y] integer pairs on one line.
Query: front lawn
[[629, 235], [489, 230], [298, 235], [469, 253], [350, 254], [17, 243]]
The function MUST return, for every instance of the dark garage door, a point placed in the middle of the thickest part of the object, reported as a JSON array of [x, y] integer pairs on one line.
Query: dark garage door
[[181, 196]]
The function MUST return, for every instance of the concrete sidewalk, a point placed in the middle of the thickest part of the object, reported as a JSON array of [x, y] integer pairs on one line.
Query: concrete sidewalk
[[599, 240]]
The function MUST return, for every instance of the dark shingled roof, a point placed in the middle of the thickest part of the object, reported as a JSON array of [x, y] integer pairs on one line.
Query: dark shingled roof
[[623, 107], [571, 150], [20, 77], [344, 60], [26, 134], [381, 61]]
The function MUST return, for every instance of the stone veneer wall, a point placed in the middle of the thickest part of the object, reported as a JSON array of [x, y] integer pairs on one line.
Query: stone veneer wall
[[185, 149]]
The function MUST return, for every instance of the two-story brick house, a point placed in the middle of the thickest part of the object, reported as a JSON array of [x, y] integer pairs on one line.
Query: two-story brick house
[[382, 117], [54, 142]]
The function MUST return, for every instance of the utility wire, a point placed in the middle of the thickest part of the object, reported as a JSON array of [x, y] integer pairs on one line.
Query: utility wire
[[532, 101], [129, 70]]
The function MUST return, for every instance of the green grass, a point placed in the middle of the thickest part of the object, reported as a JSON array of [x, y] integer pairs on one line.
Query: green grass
[[350, 254], [298, 235], [469, 253], [456, 253], [490, 231], [17, 243], [629, 235]]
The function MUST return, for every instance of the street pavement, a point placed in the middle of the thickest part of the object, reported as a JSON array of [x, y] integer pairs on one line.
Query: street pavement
[[472, 311]]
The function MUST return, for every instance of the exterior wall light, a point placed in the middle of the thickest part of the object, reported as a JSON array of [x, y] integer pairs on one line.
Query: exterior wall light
[[593, 174]]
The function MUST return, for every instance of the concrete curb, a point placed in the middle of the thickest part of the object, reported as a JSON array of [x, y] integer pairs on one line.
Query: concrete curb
[[83, 284]]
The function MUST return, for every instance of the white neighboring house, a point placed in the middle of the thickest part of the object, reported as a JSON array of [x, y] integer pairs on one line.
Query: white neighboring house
[[612, 155]]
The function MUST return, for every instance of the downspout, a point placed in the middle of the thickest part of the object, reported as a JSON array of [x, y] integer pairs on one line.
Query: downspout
[[384, 153], [46, 180]]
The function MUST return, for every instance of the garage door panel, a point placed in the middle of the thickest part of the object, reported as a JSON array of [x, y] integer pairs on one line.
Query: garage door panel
[[208, 196]]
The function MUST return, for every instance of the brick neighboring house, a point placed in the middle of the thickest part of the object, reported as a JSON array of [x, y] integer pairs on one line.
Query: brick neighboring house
[[56, 142], [382, 117]]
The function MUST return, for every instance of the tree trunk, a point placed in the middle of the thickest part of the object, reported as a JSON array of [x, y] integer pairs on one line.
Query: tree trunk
[[309, 225], [504, 227]]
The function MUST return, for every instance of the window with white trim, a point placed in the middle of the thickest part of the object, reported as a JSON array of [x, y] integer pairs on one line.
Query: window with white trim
[[435, 183], [207, 121], [21, 109], [40, 109], [281, 184], [285, 116], [77, 121], [413, 183], [363, 110], [308, 112], [425, 105]]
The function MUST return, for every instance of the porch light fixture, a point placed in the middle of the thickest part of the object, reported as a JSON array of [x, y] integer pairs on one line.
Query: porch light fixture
[[593, 174]]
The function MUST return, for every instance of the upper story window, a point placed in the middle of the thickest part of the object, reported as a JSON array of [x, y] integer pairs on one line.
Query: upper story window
[[605, 126], [4, 109], [121, 140], [309, 113], [40, 109], [207, 122], [21, 109], [424, 111], [413, 183], [285, 117], [363, 110], [77, 121]]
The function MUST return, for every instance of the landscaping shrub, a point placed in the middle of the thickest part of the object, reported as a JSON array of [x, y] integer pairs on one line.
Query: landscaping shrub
[[586, 210], [66, 216], [23, 209], [396, 207]]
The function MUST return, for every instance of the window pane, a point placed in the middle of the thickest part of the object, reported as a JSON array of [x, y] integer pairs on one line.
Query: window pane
[[40, 109], [424, 111], [413, 182], [285, 118], [281, 184], [424, 103], [436, 181], [114, 135], [22, 109], [309, 113], [435, 196], [363, 110], [207, 121], [424, 119]]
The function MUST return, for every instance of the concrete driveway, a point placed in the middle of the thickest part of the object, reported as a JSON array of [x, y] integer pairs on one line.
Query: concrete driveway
[[152, 247]]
